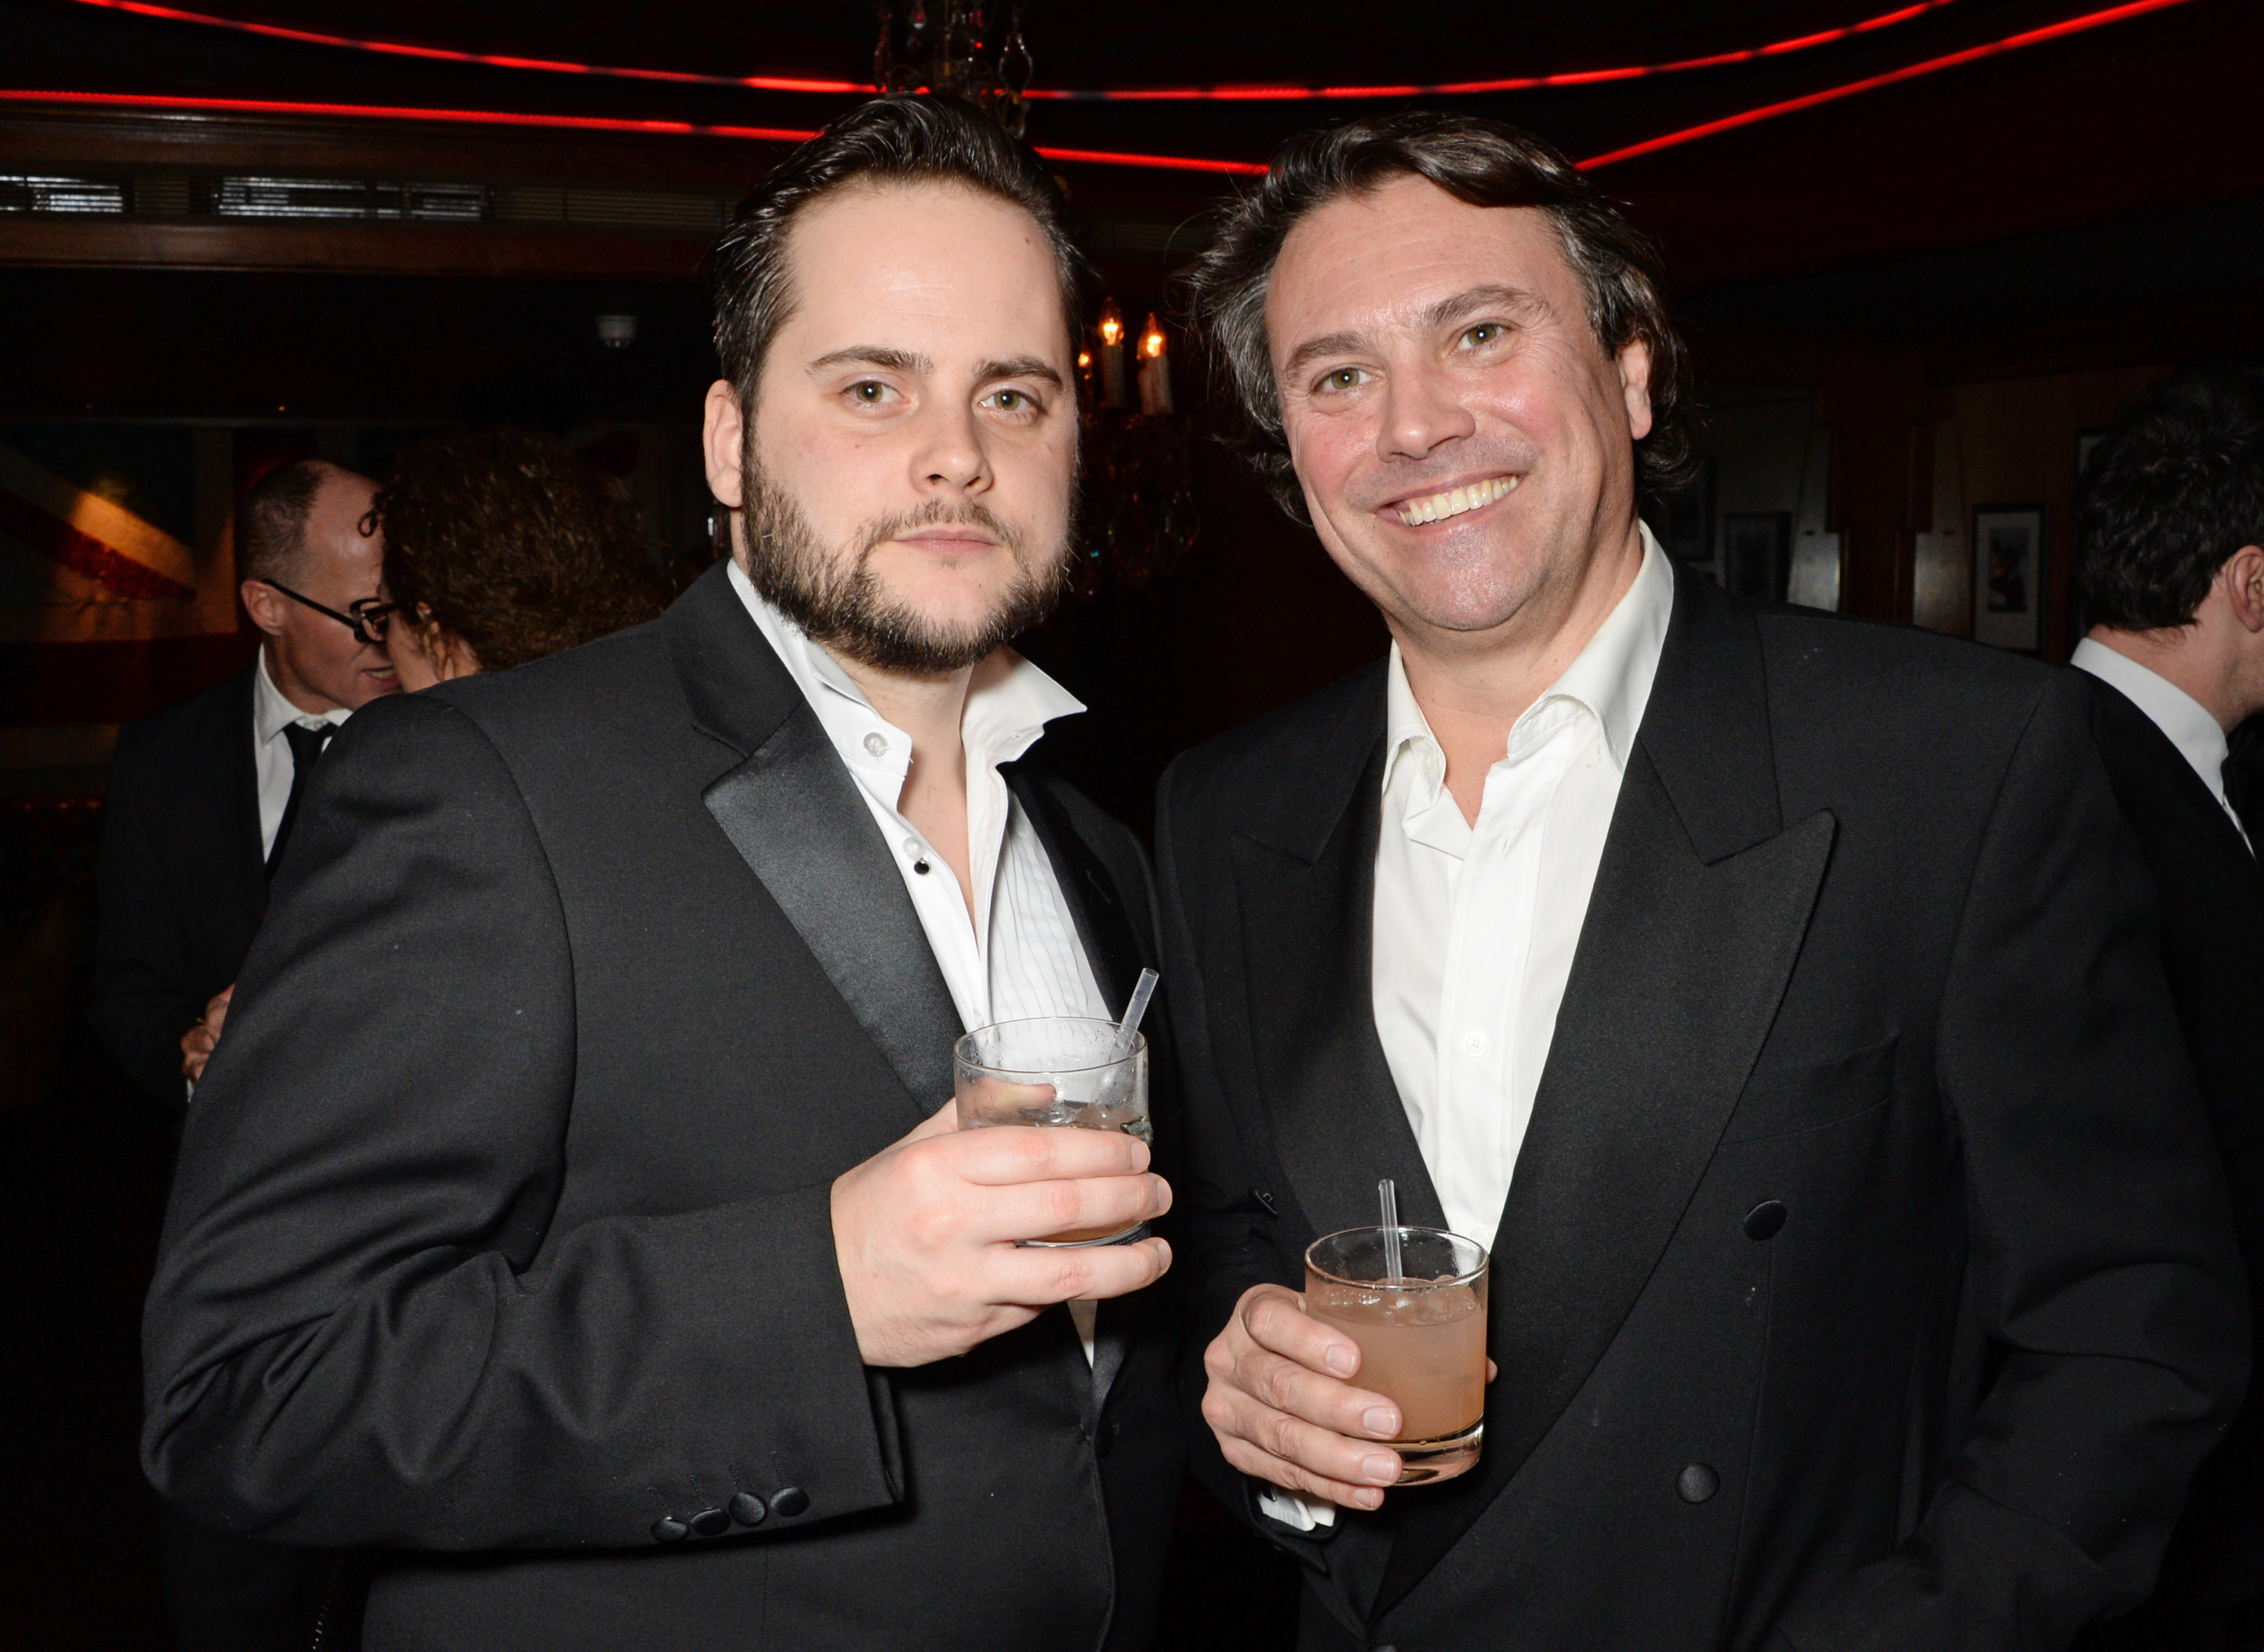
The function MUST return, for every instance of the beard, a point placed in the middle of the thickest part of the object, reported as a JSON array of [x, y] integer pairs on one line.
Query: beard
[[842, 602]]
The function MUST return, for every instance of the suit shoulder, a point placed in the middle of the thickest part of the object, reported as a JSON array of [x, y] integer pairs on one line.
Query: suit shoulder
[[1899, 676], [563, 691], [188, 730], [1283, 741]]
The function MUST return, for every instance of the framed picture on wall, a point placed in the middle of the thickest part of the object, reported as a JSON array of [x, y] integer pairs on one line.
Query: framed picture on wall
[[2008, 575], [1756, 554]]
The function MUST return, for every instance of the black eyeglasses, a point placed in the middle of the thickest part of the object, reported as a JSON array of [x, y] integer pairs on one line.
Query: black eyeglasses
[[369, 618]]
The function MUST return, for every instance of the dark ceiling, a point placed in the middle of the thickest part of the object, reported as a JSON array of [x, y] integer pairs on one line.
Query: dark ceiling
[[64, 45]]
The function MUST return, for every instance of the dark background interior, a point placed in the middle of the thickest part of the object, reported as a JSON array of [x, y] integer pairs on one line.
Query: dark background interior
[[1903, 305]]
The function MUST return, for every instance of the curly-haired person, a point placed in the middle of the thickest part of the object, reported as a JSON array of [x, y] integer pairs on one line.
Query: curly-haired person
[[502, 546]]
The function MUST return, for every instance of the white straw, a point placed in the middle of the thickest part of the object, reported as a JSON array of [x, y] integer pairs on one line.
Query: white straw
[[1387, 1199], [1130, 1024]]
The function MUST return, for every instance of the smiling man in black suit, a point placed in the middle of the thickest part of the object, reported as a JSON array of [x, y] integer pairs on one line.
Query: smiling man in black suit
[[1775, 995], [572, 1211]]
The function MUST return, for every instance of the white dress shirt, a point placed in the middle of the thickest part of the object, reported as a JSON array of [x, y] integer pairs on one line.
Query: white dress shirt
[[271, 752], [1474, 925], [2198, 736], [1016, 953]]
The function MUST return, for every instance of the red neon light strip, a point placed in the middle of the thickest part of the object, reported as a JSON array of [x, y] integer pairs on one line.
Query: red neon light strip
[[1769, 111], [568, 123], [1105, 158], [1164, 94]]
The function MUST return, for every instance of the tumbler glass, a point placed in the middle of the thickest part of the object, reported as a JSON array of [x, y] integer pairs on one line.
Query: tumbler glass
[[1051, 1071]]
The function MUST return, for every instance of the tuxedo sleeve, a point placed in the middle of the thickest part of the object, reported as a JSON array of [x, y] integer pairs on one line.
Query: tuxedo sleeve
[[2103, 1286], [367, 1327], [143, 999]]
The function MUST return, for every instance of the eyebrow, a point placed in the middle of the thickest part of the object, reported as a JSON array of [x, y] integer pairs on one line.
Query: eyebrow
[[1457, 306], [914, 364]]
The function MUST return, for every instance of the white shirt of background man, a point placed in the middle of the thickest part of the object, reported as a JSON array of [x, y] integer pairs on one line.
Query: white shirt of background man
[[1474, 925], [271, 752], [2184, 720]]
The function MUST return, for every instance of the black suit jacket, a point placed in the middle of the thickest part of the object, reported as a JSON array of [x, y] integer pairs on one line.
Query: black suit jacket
[[502, 1228], [182, 883], [1864, 1038], [2211, 895]]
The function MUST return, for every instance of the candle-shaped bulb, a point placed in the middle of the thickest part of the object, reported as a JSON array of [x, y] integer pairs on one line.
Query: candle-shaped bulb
[[1151, 341], [1112, 324]]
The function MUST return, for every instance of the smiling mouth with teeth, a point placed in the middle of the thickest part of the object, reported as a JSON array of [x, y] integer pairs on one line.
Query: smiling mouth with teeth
[[1455, 502]]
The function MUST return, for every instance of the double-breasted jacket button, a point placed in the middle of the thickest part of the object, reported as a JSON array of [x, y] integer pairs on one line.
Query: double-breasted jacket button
[[710, 1523], [669, 1528], [790, 1501], [1697, 1483], [1765, 1220], [747, 1508]]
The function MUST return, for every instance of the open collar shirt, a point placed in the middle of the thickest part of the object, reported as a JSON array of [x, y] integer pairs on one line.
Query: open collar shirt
[[1476, 922]]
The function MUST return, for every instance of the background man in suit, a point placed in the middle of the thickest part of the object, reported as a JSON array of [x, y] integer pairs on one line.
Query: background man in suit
[[569, 1210], [2170, 520], [202, 794], [1773, 995]]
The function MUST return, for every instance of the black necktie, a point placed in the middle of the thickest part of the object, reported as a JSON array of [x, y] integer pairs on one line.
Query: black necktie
[[306, 745]]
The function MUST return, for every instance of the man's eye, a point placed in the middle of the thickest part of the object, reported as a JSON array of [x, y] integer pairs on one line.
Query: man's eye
[[1484, 333], [870, 392], [1344, 379], [1012, 400]]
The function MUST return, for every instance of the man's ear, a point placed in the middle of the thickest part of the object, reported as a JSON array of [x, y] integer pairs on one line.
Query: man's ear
[[1635, 385], [2243, 586], [265, 607], [723, 443]]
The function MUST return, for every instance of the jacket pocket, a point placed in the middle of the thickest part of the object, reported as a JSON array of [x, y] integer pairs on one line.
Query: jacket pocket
[[1802, 1093]]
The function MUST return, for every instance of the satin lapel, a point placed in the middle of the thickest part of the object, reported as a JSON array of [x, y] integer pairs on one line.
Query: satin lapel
[[1308, 940], [794, 815], [791, 810], [1700, 908]]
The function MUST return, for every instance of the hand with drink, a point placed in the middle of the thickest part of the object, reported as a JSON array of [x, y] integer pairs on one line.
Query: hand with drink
[[1401, 1309], [965, 1229]]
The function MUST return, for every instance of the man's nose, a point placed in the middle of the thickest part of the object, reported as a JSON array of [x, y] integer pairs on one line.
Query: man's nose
[[1421, 413], [950, 455]]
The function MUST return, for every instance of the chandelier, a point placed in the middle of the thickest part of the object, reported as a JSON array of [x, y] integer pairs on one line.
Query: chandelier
[[950, 48]]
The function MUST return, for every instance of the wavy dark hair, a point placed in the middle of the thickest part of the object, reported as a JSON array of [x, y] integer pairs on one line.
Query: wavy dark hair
[[518, 548], [1480, 162], [899, 139], [2168, 494]]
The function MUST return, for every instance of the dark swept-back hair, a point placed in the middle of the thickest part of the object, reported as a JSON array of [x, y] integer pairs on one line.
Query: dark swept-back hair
[[2168, 494], [271, 527], [517, 546], [900, 139], [1480, 162]]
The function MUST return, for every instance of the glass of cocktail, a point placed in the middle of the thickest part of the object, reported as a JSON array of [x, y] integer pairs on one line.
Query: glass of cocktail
[[1421, 1331], [1052, 1071]]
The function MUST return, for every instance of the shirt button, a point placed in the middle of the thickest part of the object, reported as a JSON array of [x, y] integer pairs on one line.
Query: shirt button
[[1475, 1043], [877, 744]]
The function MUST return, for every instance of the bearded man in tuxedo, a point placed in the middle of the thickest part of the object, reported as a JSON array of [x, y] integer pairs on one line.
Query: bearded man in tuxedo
[[572, 1213], [1776, 995]]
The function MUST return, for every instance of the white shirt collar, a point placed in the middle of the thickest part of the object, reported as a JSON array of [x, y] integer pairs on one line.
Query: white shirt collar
[[1610, 678], [271, 712], [2198, 736], [1009, 702]]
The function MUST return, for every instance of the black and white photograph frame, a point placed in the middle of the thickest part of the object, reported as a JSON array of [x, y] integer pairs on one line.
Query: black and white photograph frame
[[2009, 571]]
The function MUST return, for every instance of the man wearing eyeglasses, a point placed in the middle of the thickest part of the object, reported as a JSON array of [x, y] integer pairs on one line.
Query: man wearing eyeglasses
[[203, 798], [201, 793]]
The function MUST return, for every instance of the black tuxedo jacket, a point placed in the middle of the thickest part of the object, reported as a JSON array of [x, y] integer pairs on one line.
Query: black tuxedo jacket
[[501, 1238], [2211, 895], [182, 882], [1864, 1040]]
